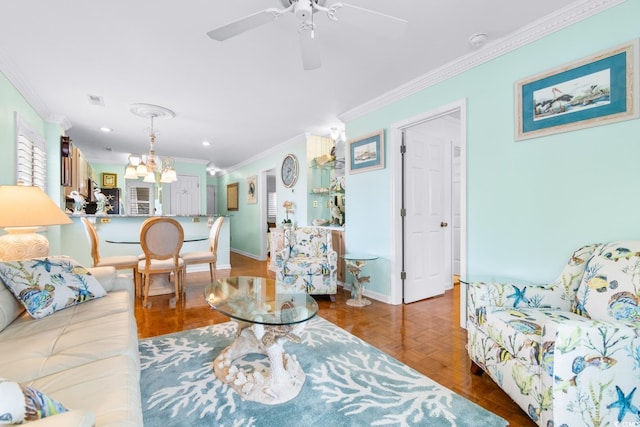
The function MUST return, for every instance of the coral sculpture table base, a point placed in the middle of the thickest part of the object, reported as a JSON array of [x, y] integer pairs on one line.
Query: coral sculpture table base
[[354, 265], [281, 382]]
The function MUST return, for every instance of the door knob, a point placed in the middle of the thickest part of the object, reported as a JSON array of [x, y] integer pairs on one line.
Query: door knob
[[443, 224]]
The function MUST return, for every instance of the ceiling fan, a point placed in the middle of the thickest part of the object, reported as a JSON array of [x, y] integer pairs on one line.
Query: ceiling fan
[[304, 10]]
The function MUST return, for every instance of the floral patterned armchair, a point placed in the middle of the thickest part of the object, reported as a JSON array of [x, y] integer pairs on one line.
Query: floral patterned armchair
[[568, 353], [308, 262]]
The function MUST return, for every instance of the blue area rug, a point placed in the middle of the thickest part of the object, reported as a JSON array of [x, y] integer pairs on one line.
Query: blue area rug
[[348, 383]]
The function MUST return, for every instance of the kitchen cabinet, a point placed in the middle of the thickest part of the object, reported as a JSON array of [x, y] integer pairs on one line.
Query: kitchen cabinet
[[81, 174]]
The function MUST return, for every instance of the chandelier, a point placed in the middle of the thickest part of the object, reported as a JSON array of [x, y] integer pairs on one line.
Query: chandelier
[[136, 166]]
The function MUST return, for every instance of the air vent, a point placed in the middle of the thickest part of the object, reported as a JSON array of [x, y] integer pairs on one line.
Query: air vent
[[96, 100]]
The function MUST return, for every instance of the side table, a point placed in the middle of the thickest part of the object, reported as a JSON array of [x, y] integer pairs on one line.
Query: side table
[[355, 262]]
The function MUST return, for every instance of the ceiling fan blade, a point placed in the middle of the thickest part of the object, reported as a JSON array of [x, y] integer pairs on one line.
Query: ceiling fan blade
[[367, 19], [309, 49], [245, 24]]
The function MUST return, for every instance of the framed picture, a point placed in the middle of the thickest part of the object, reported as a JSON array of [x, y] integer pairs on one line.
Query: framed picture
[[232, 197], [596, 90], [252, 190], [367, 153], [109, 180]]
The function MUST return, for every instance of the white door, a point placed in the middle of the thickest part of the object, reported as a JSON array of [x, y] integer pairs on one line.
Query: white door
[[185, 196], [427, 258]]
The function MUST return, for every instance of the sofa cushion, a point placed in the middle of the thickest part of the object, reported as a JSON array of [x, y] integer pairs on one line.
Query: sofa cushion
[[610, 289], [45, 285], [307, 266], [76, 336], [21, 403], [109, 388], [518, 332], [310, 242], [10, 307]]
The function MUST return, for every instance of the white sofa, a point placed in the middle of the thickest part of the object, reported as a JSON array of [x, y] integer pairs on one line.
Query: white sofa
[[85, 356]]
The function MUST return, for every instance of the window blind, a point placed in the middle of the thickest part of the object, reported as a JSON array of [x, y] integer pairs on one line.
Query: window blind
[[139, 200], [31, 156], [272, 205]]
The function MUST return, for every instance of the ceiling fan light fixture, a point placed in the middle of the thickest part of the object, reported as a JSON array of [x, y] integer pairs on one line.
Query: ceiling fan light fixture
[[303, 9]]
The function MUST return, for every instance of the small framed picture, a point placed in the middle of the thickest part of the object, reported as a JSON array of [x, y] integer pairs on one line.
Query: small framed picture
[[109, 180], [367, 153], [232, 197], [252, 190]]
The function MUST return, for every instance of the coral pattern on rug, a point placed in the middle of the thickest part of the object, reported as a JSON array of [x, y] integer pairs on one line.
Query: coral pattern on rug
[[348, 383]]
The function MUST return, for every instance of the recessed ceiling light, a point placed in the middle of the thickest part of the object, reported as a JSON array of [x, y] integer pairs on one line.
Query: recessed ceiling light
[[96, 100], [206, 143], [106, 129]]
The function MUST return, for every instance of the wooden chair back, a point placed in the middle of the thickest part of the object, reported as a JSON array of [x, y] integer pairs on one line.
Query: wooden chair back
[[92, 235], [213, 235], [161, 238]]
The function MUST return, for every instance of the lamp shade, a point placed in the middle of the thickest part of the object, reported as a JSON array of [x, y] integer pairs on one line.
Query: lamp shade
[[22, 206], [22, 210]]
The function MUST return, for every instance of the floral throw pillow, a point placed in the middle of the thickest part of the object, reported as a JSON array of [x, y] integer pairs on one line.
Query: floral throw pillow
[[46, 285], [21, 403]]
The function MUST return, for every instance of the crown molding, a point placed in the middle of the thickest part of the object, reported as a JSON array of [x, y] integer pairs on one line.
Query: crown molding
[[291, 142], [59, 119], [12, 72], [562, 18]]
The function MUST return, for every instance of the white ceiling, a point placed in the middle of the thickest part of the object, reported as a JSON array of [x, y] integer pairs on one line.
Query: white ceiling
[[244, 95]]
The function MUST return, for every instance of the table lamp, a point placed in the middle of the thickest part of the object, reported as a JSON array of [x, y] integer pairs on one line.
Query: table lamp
[[22, 210]]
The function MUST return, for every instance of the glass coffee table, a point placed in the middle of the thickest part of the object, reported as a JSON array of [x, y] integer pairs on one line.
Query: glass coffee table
[[266, 320]]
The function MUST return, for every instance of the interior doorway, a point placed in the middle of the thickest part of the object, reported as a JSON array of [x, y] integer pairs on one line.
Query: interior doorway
[[448, 125], [267, 202]]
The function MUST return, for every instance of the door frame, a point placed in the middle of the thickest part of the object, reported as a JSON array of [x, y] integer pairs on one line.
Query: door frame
[[459, 106]]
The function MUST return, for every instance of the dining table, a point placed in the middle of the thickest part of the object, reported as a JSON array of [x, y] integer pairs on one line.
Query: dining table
[[159, 283]]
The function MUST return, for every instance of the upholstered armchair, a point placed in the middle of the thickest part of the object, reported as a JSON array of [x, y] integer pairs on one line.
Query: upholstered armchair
[[308, 262], [567, 352]]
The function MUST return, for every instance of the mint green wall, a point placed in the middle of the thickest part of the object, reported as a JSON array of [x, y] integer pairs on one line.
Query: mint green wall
[[11, 101], [529, 204], [245, 226]]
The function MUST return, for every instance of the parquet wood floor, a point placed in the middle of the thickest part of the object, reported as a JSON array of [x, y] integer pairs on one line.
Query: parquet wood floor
[[425, 335]]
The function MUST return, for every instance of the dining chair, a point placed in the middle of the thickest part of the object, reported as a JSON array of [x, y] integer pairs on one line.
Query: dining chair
[[161, 240], [120, 262], [207, 257]]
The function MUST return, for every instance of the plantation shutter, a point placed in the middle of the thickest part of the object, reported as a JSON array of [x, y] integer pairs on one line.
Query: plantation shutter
[[31, 156], [271, 206], [139, 200]]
